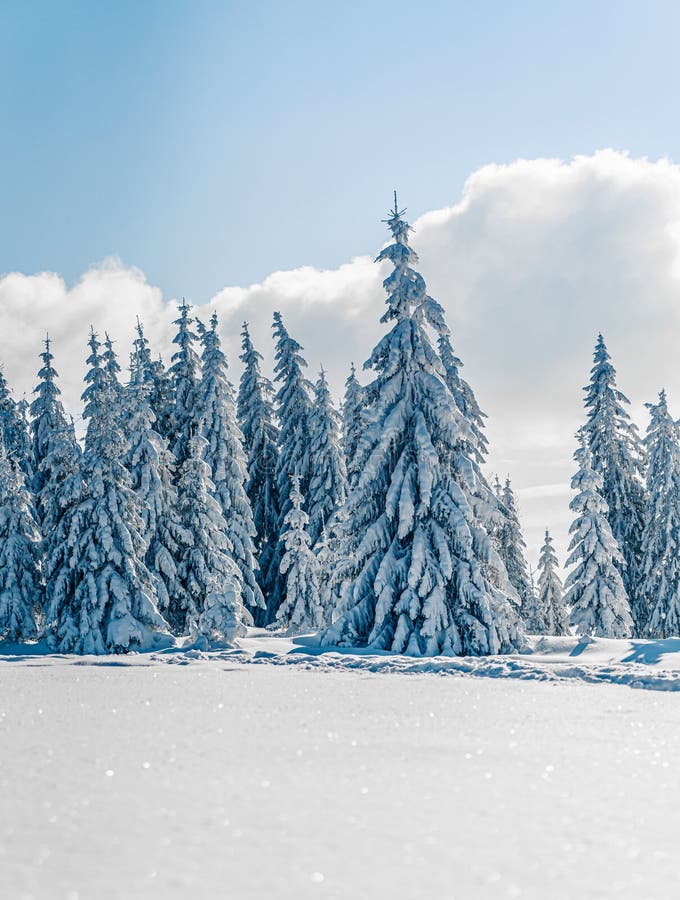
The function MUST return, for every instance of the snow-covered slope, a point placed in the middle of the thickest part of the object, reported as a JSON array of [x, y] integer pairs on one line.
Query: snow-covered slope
[[279, 771]]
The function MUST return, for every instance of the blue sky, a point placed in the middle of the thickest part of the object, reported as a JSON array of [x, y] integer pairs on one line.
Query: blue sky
[[212, 143]]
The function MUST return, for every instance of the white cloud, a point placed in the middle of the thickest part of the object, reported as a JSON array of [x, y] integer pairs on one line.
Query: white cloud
[[536, 258]]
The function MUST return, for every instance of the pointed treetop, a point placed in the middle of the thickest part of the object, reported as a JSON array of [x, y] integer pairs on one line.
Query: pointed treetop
[[396, 223], [296, 497], [600, 354]]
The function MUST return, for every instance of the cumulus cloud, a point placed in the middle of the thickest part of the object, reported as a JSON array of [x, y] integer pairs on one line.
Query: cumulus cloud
[[536, 257]]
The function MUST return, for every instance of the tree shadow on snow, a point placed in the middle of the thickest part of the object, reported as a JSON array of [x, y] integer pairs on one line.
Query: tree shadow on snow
[[651, 652]]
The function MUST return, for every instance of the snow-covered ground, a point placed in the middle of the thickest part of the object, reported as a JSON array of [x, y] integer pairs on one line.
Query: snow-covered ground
[[278, 771]]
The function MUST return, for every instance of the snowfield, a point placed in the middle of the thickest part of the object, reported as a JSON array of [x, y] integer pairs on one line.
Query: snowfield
[[277, 770]]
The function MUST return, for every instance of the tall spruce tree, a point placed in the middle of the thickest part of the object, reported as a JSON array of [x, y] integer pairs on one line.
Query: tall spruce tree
[[151, 466], [212, 609], [102, 598], [301, 609], [328, 478], [47, 416], [510, 544], [416, 582], [184, 377], [20, 589], [618, 456], [255, 416], [352, 426], [227, 462], [658, 611], [293, 405], [550, 596], [595, 591]]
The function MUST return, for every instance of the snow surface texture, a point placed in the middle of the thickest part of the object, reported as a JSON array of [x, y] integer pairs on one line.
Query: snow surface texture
[[311, 774]]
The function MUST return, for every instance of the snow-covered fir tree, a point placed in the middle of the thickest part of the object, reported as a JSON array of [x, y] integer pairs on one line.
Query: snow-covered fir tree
[[15, 430], [152, 373], [659, 569], [20, 588], [352, 406], [328, 477], [552, 611], [416, 581], [213, 610], [301, 609], [227, 462], [595, 591], [151, 466], [330, 592], [101, 595], [255, 416], [140, 358], [510, 544], [618, 456], [56, 453], [184, 377], [47, 415], [293, 406]]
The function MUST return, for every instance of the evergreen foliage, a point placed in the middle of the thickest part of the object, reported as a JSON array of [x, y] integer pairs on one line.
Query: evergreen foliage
[[226, 461], [151, 467], [20, 589], [151, 372], [475, 444], [293, 405], [47, 418], [211, 608], [595, 591], [352, 424], [552, 611], [101, 595], [184, 375], [328, 477], [416, 581], [301, 609], [255, 415], [659, 590], [618, 456], [14, 428], [510, 543]]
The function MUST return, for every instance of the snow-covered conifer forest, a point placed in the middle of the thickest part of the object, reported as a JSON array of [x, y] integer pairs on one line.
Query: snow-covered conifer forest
[[189, 510], [183, 552]]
